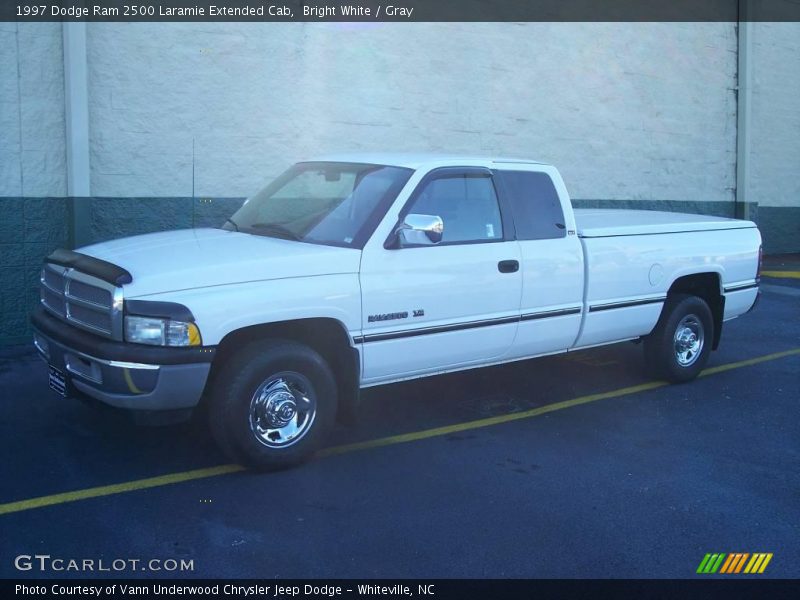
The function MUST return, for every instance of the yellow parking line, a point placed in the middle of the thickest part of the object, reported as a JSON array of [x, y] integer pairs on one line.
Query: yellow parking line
[[782, 274], [117, 488], [748, 363], [126, 373], [535, 412], [141, 484], [487, 422]]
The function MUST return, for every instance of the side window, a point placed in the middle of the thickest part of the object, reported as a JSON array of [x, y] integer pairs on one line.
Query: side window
[[535, 205], [467, 205]]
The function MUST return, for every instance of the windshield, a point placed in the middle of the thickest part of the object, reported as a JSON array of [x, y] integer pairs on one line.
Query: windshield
[[330, 203]]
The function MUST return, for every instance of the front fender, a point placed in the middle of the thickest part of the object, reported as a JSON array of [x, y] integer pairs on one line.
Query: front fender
[[220, 310]]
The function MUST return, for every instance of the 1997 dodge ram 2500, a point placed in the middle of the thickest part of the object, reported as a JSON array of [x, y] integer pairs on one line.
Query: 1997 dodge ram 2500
[[353, 271]]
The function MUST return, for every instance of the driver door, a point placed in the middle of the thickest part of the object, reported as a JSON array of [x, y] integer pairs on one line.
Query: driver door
[[431, 307]]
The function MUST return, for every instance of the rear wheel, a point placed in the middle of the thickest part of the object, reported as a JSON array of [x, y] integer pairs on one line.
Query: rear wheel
[[678, 348], [272, 404]]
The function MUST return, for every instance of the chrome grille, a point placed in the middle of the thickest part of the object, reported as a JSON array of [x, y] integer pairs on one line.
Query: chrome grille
[[89, 317], [53, 279], [53, 301], [82, 300], [89, 293]]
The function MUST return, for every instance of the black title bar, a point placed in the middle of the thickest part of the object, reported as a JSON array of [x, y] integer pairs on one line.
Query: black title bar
[[403, 11], [433, 589]]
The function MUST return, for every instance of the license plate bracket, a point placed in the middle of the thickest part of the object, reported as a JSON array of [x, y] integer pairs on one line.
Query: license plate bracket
[[58, 381]]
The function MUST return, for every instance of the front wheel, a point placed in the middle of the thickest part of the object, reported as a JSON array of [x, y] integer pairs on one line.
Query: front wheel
[[272, 404], [679, 346]]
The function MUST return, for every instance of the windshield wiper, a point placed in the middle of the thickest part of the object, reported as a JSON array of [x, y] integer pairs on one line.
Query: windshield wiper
[[275, 229], [232, 222]]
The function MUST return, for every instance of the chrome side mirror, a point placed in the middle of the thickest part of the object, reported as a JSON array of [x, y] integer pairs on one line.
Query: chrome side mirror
[[420, 230]]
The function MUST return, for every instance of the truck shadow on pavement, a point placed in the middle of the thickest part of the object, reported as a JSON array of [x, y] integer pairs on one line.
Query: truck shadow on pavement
[[72, 445]]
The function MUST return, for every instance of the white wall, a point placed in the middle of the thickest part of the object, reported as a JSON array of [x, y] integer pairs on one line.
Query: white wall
[[32, 151], [625, 110], [775, 117]]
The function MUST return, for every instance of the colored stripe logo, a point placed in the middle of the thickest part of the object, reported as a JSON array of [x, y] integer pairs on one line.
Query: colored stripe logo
[[737, 562]]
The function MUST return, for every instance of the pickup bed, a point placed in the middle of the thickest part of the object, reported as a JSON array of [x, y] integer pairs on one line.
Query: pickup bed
[[354, 271]]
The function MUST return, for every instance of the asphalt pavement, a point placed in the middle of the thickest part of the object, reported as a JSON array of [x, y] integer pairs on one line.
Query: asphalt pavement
[[568, 466]]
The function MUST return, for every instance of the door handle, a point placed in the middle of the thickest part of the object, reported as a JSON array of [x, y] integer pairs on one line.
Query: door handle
[[508, 266]]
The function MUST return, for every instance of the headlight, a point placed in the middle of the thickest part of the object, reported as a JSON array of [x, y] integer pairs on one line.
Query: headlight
[[161, 332]]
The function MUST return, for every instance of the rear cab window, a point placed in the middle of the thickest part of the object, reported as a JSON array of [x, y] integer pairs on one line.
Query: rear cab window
[[534, 203]]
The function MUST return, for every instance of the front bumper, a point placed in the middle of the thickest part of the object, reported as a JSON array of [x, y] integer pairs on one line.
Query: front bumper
[[129, 376]]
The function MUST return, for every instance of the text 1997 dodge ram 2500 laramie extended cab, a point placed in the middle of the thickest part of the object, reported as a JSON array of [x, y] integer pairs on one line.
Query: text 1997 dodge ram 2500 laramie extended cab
[[354, 271]]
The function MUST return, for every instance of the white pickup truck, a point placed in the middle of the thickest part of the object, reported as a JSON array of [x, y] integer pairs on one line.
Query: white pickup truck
[[354, 271]]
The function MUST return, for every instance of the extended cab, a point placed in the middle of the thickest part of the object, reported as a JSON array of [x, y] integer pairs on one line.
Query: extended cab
[[355, 271]]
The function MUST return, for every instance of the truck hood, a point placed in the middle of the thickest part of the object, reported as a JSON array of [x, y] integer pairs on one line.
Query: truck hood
[[195, 258]]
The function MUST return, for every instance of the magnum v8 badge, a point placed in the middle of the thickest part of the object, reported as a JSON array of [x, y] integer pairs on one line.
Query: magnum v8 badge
[[395, 315]]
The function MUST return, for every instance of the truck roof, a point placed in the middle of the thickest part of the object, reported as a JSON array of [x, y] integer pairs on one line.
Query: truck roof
[[417, 160]]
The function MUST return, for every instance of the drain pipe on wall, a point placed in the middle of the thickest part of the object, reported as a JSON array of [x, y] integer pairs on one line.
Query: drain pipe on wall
[[744, 207], [76, 117]]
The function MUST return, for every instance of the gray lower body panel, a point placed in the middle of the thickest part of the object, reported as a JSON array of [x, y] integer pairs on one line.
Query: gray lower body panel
[[133, 386]]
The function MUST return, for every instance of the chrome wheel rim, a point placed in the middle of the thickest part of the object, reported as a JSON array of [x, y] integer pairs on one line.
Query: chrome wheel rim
[[282, 410], [689, 340]]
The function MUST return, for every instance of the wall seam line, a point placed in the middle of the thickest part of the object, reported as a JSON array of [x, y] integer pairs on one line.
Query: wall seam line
[[19, 124]]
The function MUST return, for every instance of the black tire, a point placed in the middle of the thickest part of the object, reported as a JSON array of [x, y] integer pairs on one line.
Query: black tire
[[241, 424], [662, 348]]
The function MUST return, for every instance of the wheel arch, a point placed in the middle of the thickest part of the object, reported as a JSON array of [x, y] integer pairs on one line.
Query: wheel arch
[[707, 286], [325, 335]]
